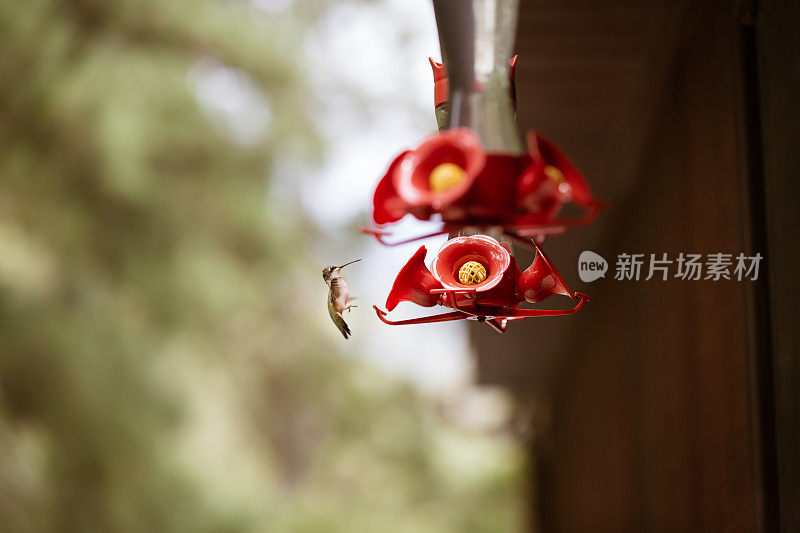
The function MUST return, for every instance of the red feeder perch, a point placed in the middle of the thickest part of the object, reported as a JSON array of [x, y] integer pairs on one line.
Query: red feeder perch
[[480, 279], [450, 174]]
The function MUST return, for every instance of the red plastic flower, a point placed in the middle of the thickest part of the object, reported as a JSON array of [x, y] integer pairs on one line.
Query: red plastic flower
[[551, 180], [498, 289], [407, 186], [458, 150], [479, 278]]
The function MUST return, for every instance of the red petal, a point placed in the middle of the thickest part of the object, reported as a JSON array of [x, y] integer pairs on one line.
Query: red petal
[[541, 279], [414, 283], [387, 207]]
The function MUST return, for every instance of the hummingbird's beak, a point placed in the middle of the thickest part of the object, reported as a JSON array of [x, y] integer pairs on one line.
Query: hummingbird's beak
[[350, 263]]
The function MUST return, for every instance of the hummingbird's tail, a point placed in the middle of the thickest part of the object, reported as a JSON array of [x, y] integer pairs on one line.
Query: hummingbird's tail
[[342, 326]]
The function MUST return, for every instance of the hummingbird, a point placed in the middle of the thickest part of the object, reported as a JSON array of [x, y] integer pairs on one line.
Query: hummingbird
[[338, 296]]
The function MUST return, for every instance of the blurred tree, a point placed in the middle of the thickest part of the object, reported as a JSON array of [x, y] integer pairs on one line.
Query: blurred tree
[[158, 371]]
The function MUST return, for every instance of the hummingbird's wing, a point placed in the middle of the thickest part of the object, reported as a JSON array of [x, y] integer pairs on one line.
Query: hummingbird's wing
[[337, 319], [339, 289]]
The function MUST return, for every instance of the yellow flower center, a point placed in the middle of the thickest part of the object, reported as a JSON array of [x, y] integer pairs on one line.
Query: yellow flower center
[[471, 273], [553, 173], [446, 176]]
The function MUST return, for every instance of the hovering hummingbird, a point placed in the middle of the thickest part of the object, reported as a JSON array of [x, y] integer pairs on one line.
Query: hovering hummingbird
[[338, 296]]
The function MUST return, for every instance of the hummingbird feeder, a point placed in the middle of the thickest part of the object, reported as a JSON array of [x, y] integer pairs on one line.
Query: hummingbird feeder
[[479, 278], [478, 172]]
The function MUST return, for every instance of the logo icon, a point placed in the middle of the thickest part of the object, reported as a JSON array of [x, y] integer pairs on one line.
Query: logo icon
[[591, 266]]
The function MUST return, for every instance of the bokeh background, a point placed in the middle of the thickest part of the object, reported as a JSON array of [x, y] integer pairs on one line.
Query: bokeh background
[[173, 177]]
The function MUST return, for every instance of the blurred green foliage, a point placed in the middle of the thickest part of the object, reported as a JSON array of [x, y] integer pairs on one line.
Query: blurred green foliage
[[158, 370]]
